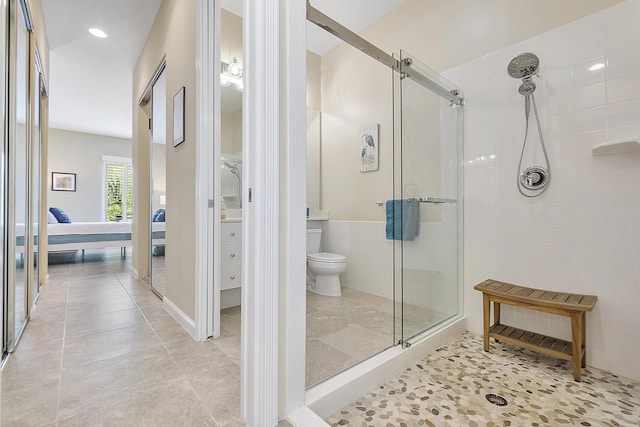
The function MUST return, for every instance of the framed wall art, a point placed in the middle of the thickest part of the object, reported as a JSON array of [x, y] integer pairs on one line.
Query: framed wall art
[[62, 181]]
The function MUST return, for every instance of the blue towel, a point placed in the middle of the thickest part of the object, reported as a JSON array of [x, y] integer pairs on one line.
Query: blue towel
[[403, 219]]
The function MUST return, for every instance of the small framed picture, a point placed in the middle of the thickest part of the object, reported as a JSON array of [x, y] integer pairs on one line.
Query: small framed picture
[[178, 117], [61, 181], [369, 148]]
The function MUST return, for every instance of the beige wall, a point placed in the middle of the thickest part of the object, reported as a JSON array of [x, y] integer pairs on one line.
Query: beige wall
[[81, 153], [231, 132], [230, 37], [357, 91], [172, 35], [314, 98]]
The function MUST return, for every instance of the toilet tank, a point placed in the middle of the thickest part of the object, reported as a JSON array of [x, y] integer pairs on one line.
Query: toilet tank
[[313, 240]]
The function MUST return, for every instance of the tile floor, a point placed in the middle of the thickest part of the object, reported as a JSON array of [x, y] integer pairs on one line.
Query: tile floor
[[449, 388], [344, 331], [101, 350]]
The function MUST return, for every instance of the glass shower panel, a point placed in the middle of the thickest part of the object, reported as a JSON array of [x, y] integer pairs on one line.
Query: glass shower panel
[[427, 162]]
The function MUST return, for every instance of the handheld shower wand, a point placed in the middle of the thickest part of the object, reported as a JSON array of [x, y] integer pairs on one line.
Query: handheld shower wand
[[236, 172], [533, 178]]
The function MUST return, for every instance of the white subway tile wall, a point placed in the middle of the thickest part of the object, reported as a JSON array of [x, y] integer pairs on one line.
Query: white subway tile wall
[[583, 234]]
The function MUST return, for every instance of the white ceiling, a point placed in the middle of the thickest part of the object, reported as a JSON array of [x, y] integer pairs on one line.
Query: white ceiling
[[91, 78], [356, 15]]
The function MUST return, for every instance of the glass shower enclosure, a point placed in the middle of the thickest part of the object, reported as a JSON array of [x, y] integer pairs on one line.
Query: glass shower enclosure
[[427, 199], [416, 272]]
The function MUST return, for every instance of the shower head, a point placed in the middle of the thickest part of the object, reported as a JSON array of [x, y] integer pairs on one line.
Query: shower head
[[523, 66], [233, 168]]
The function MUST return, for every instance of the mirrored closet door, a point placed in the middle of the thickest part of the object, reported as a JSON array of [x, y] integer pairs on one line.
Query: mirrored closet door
[[19, 171], [158, 188]]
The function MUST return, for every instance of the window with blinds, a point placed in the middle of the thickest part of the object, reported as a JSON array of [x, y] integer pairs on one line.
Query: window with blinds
[[118, 190]]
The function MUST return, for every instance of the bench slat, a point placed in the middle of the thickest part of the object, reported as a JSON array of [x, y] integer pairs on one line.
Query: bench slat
[[561, 297], [514, 290], [548, 296], [526, 292], [538, 297], [526, 337], [504, 287], [575, 299]]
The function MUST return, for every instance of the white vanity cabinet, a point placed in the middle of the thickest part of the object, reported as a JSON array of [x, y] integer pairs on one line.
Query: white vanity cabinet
[[231, 255]]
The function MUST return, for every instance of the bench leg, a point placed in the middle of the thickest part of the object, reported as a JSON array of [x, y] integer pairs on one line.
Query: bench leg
[[496, 314], [583, 328], [487, 315], [576, 339]]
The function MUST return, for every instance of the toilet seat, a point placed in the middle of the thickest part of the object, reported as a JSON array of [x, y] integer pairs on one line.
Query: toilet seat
[[326, 257]]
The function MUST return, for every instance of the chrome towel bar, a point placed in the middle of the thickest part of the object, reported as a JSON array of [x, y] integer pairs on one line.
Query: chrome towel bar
[[431, 200], [423, 200]]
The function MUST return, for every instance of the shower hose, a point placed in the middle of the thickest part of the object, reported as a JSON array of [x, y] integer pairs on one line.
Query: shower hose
[[528, 100]]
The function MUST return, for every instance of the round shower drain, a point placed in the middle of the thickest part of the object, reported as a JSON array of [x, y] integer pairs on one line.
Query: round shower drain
[[496, 400]]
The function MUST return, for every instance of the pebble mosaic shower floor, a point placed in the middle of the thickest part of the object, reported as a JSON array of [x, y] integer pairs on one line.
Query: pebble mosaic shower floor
[[449, 388]]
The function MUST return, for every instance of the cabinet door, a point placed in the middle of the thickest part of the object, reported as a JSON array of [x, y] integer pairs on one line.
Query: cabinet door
[[230, 277], [231, 233], [230, 255]]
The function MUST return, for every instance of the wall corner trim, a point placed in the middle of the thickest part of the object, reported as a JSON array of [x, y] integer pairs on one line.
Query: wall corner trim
[[185, 321]]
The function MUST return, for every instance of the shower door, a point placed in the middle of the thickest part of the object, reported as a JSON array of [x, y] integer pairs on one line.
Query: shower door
[[427, 190]]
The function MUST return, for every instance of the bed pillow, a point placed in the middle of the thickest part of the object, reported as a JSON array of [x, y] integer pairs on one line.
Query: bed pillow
[[60, 215], [51, 219], [158, 216]]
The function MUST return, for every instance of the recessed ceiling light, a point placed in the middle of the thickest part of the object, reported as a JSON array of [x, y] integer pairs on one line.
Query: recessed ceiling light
[[98, 32], [598, 66]]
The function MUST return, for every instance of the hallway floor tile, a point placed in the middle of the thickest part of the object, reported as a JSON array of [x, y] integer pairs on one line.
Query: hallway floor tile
[[101, 350]]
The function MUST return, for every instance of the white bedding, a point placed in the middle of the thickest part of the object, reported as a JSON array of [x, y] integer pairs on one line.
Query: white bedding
[[89, 228], [96, 228], [91, 235]]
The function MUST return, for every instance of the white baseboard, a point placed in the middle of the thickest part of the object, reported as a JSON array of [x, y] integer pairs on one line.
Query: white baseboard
[[305, 417], [327, 398], [230, 298], [185, 321], [134, 273]]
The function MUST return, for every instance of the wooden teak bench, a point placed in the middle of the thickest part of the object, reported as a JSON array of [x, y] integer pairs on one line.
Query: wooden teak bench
[[570, 305]]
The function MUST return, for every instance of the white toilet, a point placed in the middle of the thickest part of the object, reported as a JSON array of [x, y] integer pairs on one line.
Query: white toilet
[[323, 268]]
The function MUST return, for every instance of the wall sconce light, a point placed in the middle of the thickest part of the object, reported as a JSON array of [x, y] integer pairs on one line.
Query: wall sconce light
[[234, 68], [232, 75]]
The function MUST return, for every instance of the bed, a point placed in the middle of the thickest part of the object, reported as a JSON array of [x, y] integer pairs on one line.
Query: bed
[[91, 235]]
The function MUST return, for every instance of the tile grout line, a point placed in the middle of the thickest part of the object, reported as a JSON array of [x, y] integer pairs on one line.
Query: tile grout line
[[60, 380], [164, 347], [64, 333]]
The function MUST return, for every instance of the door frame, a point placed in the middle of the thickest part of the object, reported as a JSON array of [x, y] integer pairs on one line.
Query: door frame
[[273, 299]]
